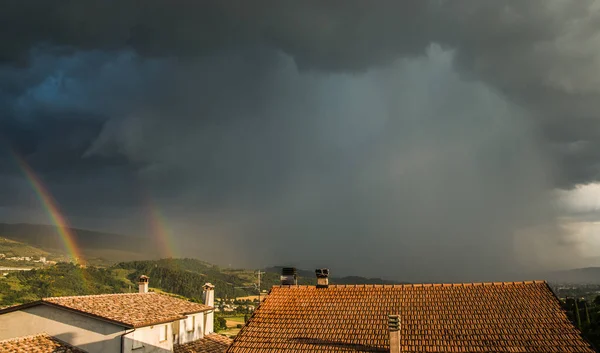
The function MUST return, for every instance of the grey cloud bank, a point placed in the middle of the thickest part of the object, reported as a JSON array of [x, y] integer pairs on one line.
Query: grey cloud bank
[[415, 140]]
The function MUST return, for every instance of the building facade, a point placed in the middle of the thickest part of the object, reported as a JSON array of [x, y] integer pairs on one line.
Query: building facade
[[142, 322]]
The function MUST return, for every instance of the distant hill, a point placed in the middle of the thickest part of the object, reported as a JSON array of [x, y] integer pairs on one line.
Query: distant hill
[[588, 275], [100, 246], [13, 248]]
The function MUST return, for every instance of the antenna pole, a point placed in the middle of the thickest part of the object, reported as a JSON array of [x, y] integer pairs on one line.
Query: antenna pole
[[259, 273]]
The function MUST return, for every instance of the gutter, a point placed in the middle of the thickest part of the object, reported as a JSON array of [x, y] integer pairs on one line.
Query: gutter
[[123, 339]]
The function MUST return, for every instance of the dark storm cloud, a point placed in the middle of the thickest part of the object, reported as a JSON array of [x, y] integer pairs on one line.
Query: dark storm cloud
[[538, 53], [322, 131], [288, 160], [52, 110], [336, 34]]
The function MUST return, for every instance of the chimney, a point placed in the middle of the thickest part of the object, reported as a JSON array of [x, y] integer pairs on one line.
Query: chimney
[[288, 276], [208, 296], [394, 328], [322, 277], [143, 283]]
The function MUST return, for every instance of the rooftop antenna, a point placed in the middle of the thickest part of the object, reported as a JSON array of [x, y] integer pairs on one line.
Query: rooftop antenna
[[259, 273]]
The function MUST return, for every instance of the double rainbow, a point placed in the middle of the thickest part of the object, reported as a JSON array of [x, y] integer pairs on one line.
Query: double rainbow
[[158, 224]]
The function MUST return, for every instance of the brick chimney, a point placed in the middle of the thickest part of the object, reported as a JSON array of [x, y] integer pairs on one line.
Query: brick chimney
[[143, 283], [322, 277], [208, 297], [288, 276], [394, 329]]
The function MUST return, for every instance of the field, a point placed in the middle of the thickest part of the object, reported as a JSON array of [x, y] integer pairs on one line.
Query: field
[[253, 297], [232, 323], [235, 320], [230, 332]]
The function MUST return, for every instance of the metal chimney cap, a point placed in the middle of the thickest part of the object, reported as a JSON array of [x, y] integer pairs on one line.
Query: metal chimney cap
[[322, 272], [288, 271], [288, 276]]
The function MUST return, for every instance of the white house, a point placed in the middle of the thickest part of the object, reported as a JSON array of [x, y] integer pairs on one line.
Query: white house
[[131, 322]]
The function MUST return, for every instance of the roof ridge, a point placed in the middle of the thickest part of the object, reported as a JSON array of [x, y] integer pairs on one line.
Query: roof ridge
[[412, 285], [96, 295]]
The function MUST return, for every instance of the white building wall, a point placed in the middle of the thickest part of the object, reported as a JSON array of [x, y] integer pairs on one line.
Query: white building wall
[[187, 334], [209, 316], [209, 323], [149, 336], [91, 335]]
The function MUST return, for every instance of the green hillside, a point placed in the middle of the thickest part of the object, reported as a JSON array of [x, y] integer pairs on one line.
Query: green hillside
[[12, 248], [61, 279], [184, 277]]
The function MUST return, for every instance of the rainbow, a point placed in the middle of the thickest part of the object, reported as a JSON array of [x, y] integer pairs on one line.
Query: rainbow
[[64, 230], [160, 230]]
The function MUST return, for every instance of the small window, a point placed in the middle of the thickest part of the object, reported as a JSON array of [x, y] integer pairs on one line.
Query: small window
[[162, 333], [189, 323]]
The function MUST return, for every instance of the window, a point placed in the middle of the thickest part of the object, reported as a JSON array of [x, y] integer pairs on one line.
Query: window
[[189, 323], [162, 333]]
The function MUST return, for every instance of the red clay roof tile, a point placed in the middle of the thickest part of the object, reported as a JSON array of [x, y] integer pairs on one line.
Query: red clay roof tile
[[212, 343], [41, 343], [133, 309], [469, 317]]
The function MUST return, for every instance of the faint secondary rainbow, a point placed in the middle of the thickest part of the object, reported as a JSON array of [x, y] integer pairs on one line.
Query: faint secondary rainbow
[[52, 209], [160, 230]]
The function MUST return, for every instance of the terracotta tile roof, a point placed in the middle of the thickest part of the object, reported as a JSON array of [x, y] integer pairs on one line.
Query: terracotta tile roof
[[212, 343], [477, 317], [41, 343], [131, 309]]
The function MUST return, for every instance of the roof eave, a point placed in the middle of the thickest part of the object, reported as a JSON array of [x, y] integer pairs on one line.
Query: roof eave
[[198, 311], [174, 318], [54, 305], [19, 307], [158, 322]]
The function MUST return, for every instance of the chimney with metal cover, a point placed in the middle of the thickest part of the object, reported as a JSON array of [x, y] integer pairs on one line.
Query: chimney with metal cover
[[394, 328], [143, 283], [322, 277], [208, 297], [288, 276]]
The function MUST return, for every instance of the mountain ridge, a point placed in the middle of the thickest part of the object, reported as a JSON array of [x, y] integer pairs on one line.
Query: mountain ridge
[[103, 247]]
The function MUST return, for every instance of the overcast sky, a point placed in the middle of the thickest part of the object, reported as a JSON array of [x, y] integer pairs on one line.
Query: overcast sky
[[417, 140]]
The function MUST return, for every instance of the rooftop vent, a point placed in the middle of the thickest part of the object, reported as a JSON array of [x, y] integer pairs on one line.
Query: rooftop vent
[[322, 277], [394, 328], [288, 276]]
